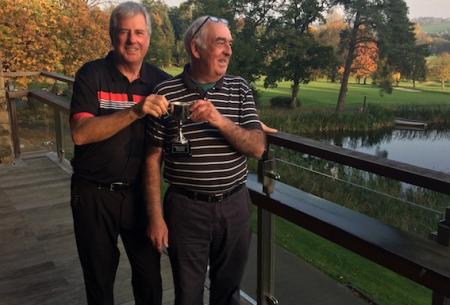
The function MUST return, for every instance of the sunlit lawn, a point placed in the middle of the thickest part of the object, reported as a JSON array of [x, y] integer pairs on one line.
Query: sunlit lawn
[[323, 94]]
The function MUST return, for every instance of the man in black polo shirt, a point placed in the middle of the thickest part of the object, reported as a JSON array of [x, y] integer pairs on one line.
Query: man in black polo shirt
[[207, 206], [110, 99]]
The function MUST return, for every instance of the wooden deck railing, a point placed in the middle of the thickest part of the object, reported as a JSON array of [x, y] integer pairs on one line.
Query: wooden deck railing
[[426, 262]]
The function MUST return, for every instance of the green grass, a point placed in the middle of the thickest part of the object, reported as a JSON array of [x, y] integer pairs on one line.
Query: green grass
[[436, 28], [349, 268], [323, 95], [173, 70]]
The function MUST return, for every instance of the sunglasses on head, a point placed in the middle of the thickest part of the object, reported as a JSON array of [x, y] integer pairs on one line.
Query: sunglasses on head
[[212, 19]]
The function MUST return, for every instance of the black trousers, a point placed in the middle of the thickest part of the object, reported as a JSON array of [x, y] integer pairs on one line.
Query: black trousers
[[204, 232], [100, 215]]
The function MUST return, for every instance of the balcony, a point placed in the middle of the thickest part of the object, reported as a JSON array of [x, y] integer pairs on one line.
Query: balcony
[[38, 253]]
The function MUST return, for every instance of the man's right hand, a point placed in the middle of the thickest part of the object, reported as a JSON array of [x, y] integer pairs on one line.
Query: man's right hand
[[154, 105], [158, 234]]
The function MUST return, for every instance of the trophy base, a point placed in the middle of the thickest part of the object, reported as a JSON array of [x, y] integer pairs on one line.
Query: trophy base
[[180, 150]]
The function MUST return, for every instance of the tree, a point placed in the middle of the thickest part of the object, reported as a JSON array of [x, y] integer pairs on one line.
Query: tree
[[51, 35], [294, 54], [328, 34], [162, 39], [181, 18], [396, 39], [386, 23], [361, 17], [365, 62], [253, 18], [439, 68]]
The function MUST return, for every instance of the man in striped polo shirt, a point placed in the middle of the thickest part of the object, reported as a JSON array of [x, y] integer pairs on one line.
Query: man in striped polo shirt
[[207, 206]]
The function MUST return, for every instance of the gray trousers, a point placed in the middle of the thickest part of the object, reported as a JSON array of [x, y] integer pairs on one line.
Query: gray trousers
[[202, 232]]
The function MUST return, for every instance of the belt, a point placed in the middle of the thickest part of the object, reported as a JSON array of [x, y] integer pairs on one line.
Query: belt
[[114, 186], [207, 197]]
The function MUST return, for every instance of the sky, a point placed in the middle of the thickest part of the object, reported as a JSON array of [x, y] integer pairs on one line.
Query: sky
[[417, 8]]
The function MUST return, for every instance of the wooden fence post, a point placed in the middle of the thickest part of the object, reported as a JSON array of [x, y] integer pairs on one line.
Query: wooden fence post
[[6, 152]]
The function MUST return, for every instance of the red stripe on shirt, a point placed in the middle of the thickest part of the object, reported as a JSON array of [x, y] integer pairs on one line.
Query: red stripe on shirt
[[80, 115], [112, 97], [138, 98]]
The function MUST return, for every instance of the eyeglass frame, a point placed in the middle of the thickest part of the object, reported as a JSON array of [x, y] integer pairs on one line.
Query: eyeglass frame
[[213, 19]]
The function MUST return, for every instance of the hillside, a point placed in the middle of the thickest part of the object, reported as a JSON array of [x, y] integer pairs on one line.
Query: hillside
[[433, 25]]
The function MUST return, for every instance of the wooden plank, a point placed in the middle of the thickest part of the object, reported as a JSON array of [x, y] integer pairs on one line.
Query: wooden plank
[[37, 248], [16, 94]]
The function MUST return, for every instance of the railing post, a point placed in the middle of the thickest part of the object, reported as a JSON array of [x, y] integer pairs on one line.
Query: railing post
[[59, 134], [265, 264], [6, 132], [443, 238], [439, 299]]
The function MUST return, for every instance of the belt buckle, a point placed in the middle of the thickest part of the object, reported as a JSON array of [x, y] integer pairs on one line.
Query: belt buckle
[[218, 197], [116, 186]]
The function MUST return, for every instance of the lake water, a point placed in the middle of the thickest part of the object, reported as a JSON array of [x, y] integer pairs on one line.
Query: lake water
[[425, 148]]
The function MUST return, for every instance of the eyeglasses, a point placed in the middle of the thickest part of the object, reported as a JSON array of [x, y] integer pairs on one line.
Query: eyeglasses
[[212, 19]]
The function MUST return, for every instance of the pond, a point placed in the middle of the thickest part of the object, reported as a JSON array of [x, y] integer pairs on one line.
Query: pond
[[425, 148]]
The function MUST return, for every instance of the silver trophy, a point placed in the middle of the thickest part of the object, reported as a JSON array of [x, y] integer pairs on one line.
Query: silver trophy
[[180, 146]]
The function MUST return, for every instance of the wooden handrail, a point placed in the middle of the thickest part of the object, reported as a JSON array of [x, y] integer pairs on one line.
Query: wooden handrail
[[55, 101], [56, 76], [60, 77], [430, 179], [423, 261]]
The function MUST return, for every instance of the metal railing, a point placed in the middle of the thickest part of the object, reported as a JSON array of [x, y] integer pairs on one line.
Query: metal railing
[[424, 261]]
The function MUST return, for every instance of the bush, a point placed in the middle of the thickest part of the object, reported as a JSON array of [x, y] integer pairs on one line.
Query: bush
[[280, 102]]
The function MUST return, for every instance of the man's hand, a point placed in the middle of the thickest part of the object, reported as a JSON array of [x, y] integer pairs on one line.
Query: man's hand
[[158, 234], [204, 110], [154, 105], [267, 129]]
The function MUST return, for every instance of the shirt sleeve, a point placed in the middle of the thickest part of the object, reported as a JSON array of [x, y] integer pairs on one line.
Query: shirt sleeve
[[248, 116], [84, 101]]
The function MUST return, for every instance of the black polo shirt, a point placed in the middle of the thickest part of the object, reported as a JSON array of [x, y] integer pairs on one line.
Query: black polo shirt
[[100, 89]]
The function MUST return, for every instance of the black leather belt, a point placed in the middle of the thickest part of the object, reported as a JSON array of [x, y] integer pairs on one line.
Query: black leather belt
[[114, 186], [206, 196]]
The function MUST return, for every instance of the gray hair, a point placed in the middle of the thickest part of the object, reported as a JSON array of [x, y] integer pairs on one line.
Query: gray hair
[[200, 36], [126, 10]]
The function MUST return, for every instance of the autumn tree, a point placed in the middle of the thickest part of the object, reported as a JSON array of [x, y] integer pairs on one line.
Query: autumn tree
[[439, 68], [361, 17], [365, 62], [52, 35], [387, 21]]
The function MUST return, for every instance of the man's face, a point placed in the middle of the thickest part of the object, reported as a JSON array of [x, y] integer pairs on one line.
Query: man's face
[[131, 40], [216, 56]]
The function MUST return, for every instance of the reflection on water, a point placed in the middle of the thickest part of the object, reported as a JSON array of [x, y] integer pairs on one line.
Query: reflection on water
[[424, 148]]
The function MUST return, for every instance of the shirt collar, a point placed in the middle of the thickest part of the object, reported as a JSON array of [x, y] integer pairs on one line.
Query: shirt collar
[[145, 73], [192, 87]]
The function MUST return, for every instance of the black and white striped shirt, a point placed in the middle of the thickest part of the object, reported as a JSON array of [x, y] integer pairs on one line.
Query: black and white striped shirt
[[215, 166]]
